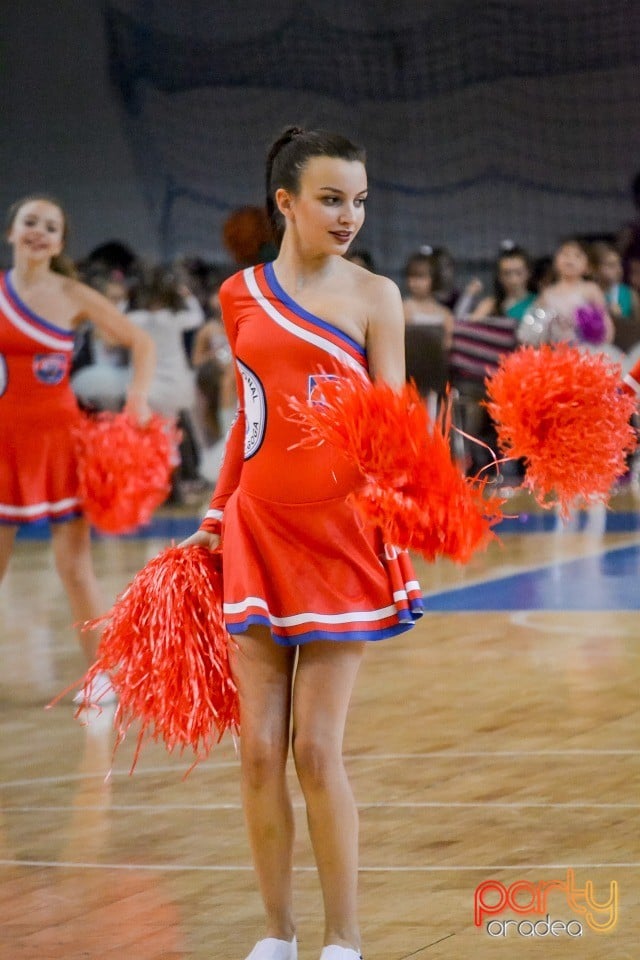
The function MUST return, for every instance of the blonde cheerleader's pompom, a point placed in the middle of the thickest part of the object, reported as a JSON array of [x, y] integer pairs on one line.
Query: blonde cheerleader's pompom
[[124, 469]]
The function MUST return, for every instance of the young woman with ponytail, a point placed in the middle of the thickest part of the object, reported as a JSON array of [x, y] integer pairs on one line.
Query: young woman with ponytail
[[307, 584]]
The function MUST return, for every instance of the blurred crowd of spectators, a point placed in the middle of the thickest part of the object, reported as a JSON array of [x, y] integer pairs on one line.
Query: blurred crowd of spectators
[[587, 291]]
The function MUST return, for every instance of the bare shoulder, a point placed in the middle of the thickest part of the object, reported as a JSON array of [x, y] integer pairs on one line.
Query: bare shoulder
[[59, 284], [87, 303], [77, 291], [377, 292], [77, 296]]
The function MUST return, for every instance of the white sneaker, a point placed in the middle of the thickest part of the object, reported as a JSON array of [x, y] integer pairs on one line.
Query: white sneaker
[[272, 949], [99, 693], [334, 952]]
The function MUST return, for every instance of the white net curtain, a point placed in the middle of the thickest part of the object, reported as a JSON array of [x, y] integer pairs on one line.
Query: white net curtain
[[483, 119]]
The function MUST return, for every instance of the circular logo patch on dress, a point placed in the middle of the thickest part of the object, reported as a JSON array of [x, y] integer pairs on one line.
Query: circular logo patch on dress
[[255, 411], [50, 368]]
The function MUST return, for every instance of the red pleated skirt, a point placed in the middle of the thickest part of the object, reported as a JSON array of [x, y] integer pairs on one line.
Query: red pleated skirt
[[39, 468], [313, 571]]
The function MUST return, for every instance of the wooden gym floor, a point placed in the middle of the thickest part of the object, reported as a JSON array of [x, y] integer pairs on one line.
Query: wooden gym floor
[[499, 740]]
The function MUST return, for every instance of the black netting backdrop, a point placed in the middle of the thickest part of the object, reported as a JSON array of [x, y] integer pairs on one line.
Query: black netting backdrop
[[482, 119]]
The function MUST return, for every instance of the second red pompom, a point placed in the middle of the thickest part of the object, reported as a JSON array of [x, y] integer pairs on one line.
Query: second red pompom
[[565, 413], [125, 469]]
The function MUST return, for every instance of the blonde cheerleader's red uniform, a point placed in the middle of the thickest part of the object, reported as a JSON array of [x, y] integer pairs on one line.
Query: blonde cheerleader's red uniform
[[296, 555], [38, 463]]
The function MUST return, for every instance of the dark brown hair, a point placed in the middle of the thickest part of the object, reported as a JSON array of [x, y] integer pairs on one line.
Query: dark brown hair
[[508, 253], [288, 156], [420, 259], [160, 290]]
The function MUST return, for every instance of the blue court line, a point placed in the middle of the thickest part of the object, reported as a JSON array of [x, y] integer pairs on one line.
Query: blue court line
[[607, 581], [166, 527], [610, 580], [548, 521], [160, 527]]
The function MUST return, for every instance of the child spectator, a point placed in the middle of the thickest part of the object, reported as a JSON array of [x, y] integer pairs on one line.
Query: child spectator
[[512, 296], [421, 308], [444, 288], [570, 291], [444, 276], [165, 309], [622, 301], [428, 330]]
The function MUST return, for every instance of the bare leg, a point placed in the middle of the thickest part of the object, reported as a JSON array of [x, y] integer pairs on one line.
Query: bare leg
[[72, 552], [263, 672], [7, 538], [323, 685]]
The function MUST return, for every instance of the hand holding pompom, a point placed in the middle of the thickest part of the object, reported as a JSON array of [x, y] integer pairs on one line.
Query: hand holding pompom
[[412, 488], [164, 646]]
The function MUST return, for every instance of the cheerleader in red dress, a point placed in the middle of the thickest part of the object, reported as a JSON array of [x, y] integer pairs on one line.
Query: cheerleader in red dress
[[39, 309], [306, 582], [297, 557]]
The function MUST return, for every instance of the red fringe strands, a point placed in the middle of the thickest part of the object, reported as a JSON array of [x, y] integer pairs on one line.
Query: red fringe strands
[[564, 412], [412, 489], [125, 469], [165, 647]]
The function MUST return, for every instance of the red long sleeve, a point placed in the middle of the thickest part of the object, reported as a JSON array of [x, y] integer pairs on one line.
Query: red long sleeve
[[234, 449]]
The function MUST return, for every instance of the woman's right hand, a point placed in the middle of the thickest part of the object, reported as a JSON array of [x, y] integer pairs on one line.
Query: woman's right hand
[[137, 406], [211, 541]]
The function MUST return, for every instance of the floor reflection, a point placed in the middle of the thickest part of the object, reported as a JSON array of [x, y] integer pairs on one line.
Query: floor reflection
[[69, 912]]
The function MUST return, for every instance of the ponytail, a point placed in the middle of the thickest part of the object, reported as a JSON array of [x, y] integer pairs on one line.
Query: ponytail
[[64, 265], [285, 138]]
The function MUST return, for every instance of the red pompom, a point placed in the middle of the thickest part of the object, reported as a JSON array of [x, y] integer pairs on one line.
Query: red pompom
[[564, 412], [165, 647], [125, 469], [412, 488]]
